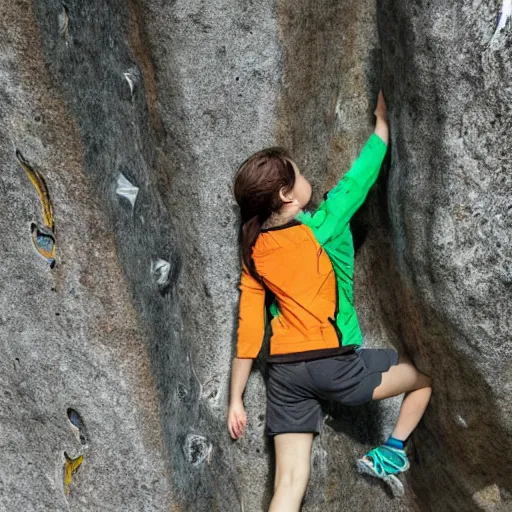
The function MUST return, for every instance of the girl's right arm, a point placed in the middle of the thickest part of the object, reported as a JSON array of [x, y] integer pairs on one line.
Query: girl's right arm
[[350, 193], [381, 113], [251, 329], [342, 202]]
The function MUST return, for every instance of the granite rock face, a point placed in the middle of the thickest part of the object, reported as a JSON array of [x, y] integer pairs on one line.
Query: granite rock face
[[448, 74], [137, 114], [76, 377]]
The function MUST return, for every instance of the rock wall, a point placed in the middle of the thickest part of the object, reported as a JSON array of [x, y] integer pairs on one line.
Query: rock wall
[[137, 114], [448, 74], [76, 376]]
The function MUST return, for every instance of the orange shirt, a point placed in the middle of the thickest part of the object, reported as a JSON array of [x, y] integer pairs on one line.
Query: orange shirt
[[296, 269]]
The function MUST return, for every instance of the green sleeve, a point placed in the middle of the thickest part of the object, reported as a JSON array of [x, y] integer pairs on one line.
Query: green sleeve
[[348, 195]]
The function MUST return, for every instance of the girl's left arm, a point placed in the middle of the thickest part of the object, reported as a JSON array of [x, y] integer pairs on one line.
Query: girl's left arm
[[237, 417], [251, 330]]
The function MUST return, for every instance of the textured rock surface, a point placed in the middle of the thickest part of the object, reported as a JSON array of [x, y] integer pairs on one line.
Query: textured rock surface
[[449, 77], [70, 337], [134, 327]]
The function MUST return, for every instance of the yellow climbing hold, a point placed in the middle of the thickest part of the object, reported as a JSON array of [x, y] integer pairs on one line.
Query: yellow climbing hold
[[42, 190], [43, 237], [70, 467]]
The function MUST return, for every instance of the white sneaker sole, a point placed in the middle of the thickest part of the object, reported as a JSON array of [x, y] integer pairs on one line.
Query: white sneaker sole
[[397, 488]]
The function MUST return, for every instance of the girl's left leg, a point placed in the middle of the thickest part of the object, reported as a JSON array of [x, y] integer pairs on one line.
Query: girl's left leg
[[293, 459]]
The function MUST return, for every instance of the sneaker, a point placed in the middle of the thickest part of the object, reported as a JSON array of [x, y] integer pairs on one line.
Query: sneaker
[[385, 462]]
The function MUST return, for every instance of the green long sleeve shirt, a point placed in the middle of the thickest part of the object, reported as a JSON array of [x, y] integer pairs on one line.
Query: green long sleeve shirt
[[330, 226]]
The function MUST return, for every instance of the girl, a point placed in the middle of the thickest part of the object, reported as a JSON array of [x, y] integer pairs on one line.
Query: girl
[[306, 263]]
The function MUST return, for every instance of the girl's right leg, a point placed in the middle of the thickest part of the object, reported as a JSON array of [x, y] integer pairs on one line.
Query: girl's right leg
[[293, 459], [405, 378]]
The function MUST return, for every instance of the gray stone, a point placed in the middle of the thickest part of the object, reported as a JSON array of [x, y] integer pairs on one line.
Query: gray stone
[[448, 77], [122, 352], [70, 337]]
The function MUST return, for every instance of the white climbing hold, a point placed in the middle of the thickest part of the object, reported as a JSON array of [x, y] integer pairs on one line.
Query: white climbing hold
[[129, 79], [132, 77], [488, 498], [461, 421], [505, 14], [160, 270], [197, 449], [126, 189]]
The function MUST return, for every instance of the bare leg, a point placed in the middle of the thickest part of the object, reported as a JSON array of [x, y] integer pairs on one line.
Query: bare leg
[[405, 378], [293, 460]]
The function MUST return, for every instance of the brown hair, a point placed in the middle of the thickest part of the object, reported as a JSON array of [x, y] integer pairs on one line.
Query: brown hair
[[258, 182]]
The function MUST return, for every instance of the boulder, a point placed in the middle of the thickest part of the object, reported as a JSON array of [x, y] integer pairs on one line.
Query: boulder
[[448, 75], [136, 115]]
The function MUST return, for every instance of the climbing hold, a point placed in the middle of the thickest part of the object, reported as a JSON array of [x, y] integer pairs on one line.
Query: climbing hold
[[488, 498], [43, 236], [505, 14], [44, 242], [160, 270], [70, 468], [40, 185], [126, 189], [197, 449], [64, 22], [129, 79], [132, 76], [459, 419], [78, 425], [182, 393]]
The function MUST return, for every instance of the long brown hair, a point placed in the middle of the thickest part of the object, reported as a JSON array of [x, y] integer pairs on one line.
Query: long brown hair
[[258, 182]]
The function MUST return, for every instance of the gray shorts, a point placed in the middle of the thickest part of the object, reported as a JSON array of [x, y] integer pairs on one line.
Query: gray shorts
[[297, 391]]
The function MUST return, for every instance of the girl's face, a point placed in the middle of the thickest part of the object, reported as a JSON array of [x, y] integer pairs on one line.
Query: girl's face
[[301, 191]]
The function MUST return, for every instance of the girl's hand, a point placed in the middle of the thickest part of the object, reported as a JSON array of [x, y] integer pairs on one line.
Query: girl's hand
[[381, 110], [237, 419]]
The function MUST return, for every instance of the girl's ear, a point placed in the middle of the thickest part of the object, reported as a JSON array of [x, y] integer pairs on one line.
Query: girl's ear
[[286, 197]]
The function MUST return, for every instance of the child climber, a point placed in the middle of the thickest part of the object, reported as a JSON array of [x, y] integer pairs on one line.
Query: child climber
[[306, 262]]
